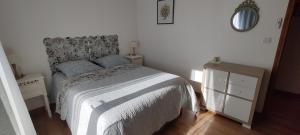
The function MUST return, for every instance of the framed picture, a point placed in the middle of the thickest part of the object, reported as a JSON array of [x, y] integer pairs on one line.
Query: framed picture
[[165, 11]]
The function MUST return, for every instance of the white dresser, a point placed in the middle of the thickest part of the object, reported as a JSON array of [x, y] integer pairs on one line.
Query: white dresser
[[232, 90]]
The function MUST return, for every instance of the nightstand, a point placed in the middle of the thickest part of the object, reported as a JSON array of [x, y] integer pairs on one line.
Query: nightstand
[[137, 59], [33, 85]]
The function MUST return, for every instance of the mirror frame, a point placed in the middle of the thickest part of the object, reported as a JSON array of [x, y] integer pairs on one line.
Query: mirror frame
[[247, 4]]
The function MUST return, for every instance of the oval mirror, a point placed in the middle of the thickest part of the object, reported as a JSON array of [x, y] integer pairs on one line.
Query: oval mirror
[[245, 17]]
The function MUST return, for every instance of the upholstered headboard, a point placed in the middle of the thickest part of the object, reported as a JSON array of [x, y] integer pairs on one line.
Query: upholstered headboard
[[61, 50]]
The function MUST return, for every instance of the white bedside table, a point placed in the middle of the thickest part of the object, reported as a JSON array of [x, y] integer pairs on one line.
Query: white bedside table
[[137, 59], [33, 85]]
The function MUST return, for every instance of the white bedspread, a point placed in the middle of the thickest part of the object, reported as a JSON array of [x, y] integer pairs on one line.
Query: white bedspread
[[125, 100]]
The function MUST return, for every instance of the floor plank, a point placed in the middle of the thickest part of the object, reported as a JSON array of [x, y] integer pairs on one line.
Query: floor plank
[[283, 119], [204, 123]]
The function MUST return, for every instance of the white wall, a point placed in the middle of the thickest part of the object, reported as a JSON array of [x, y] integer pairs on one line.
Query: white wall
[[202, 30], [24, 24]]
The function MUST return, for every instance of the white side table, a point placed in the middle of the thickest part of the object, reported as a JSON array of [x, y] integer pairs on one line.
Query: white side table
[[137, 59], [33, 85]]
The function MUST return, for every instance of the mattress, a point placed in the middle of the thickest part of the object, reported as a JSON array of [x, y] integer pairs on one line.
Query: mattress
[[127, 99]]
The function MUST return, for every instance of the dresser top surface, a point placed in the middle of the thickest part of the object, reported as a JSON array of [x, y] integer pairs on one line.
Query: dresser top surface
[[236, 68]]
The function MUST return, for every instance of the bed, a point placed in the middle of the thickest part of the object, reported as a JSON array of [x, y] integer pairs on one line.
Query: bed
[[124, 99]]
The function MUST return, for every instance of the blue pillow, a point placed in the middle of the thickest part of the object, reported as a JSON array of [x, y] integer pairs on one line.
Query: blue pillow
[[111, 61], [74, 68]]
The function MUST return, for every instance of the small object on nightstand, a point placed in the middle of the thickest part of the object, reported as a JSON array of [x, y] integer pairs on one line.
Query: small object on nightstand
[[134, 45], [216, 60], [33, 85], [137, 59]]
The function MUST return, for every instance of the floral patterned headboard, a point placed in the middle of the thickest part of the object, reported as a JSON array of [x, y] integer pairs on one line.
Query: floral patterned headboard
[[61, 50]]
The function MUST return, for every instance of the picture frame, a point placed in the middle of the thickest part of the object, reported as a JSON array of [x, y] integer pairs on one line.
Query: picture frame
[[165, 11]]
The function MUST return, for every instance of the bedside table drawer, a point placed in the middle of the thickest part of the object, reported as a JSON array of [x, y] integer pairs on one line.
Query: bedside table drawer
[[32, 87], [138, 61], [31, 91]]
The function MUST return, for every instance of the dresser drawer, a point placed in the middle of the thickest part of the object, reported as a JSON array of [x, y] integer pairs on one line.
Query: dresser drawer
[[240, 91], [242, 86], [242, 80], [216, 80], [237, 108], [214, 100]]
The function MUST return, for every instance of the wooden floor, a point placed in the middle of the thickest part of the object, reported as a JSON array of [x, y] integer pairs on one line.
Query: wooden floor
[[204, 123]]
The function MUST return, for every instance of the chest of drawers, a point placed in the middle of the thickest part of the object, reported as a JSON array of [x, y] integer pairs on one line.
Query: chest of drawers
[[232, 90]]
